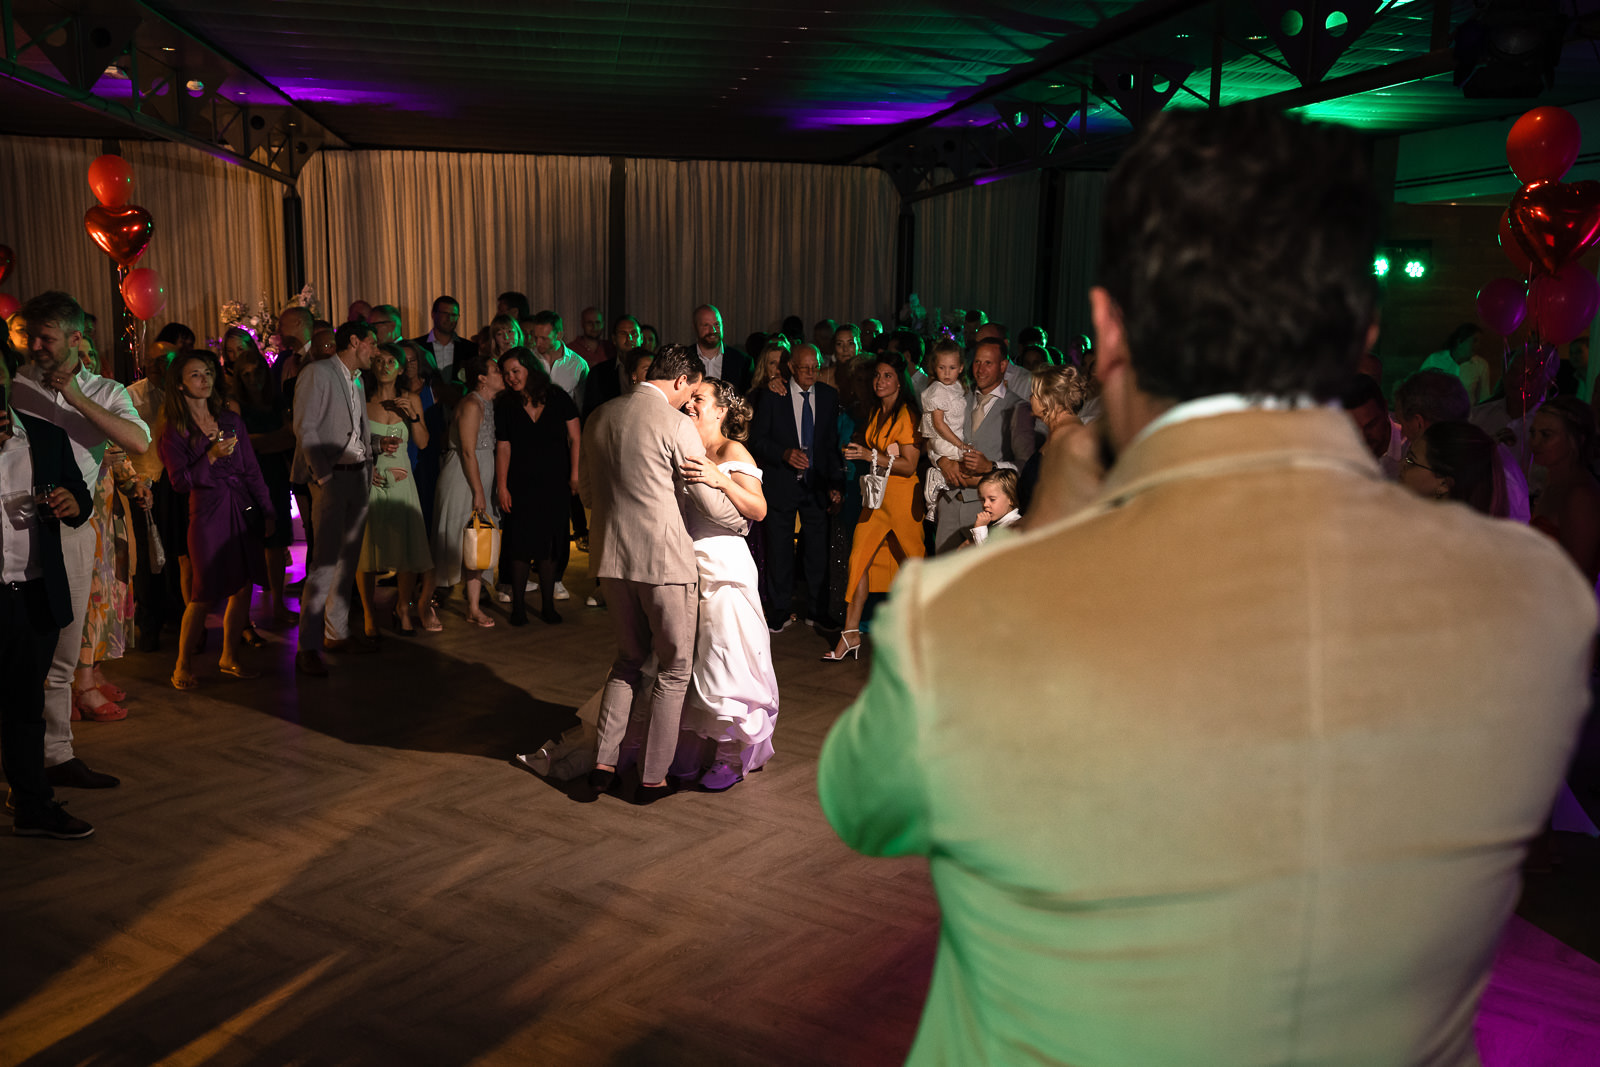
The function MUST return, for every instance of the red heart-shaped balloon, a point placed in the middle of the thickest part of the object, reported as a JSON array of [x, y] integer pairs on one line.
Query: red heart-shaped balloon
[[1555, 221], [6, 258], [122, 233]]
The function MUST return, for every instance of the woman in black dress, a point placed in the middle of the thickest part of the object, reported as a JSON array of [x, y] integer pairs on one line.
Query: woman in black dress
[[266, 418], [536, 474]]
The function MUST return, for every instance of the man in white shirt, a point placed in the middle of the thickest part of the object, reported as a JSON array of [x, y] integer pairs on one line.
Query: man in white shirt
[[35, 602], [332, 456], [56, 387], [729, 364], [449, 350]]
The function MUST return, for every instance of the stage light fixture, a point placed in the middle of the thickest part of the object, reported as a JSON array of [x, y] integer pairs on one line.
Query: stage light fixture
[[1380, 266], [1509, 49]]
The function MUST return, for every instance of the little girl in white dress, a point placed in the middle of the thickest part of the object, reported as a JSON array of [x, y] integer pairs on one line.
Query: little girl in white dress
[[944, 418]]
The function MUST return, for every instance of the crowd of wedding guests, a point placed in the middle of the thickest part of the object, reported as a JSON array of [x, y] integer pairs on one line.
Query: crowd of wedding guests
[[874, 446]]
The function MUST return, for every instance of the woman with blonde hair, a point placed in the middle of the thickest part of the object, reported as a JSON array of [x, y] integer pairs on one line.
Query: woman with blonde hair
[[1059, 393]]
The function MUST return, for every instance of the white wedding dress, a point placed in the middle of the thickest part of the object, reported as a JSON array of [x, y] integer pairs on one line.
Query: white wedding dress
[[733, 691]]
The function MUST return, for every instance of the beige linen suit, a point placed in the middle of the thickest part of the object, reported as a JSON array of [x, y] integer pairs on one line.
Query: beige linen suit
[[630, 477], [1262, 798]]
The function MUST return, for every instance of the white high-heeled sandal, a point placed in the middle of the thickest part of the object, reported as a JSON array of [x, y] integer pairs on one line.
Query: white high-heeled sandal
[[849, 649]]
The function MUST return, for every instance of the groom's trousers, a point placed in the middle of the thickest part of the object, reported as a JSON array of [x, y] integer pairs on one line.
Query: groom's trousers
[[659, 618]]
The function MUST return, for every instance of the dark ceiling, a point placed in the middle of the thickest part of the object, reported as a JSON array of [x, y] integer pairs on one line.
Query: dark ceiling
[[794, 80]]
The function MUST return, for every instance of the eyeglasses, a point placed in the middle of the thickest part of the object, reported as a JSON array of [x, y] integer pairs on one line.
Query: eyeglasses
[[1411, 461]]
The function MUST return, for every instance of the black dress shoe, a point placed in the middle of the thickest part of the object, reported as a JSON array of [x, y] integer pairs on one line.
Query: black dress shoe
[[601, 781], [75, 774], [51, 821], [351, 644], [649, 794]]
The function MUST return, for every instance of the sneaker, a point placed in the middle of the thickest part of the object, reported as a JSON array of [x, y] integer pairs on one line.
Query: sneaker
[[532, 586], [561, 592], [594, 602], [75, 774], [502, 593], [53, 821]]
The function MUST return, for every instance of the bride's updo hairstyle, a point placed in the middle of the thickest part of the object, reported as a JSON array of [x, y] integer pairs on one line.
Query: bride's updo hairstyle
[[736, 423]]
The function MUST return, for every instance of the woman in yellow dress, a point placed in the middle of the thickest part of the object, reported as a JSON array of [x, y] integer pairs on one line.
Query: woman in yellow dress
[[887, 534]]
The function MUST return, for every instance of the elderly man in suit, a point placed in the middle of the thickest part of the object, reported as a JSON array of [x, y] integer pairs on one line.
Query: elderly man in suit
[[795, 437], [333, 455], [997, 438], [35, 603], [1233, 814], [631, 476]]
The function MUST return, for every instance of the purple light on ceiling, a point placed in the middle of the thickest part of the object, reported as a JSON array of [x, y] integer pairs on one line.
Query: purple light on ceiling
[[319, 91], [875, 113]]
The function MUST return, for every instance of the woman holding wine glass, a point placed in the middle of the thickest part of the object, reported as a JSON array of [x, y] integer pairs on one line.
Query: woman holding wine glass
[[396, 538]]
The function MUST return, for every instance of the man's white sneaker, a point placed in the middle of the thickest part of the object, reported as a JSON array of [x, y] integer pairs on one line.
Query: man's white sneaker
[[561, 592]]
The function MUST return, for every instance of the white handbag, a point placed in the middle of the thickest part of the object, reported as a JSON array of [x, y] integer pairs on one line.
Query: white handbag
[[873, 483]]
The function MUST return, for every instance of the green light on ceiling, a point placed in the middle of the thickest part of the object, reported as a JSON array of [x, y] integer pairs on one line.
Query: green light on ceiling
[[1415, 269], [1380, 266]]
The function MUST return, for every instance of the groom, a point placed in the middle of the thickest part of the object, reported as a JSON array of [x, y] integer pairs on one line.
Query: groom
[[630, 476]]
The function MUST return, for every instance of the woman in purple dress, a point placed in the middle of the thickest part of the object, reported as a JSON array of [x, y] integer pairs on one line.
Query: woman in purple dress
[[206, 451]]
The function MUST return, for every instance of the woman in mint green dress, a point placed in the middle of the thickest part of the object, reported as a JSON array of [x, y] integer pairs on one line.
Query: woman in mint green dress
[[396, 537]]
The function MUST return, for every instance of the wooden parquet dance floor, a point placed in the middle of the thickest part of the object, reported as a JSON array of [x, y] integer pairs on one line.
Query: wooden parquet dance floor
[[350, 871]]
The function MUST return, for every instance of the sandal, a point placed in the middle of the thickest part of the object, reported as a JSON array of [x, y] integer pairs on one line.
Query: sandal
[[185, 681], [109, 711], [238, 672], [482, 620], [430, 619], [253, 639], [111, 692]]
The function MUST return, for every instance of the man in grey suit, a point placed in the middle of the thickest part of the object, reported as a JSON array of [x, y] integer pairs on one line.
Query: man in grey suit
[[631, 476], [332, 456], [996, 441]]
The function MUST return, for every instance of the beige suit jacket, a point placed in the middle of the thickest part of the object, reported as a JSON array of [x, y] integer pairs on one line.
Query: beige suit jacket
[[630, 476], [1262, 798]]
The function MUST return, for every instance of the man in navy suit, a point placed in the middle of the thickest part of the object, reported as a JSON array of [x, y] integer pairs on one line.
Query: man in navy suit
[[35, 603], [795, 438], [448, 350]]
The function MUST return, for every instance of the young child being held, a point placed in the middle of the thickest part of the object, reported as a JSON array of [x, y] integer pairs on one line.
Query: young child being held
[[998, 492], [944, 406]]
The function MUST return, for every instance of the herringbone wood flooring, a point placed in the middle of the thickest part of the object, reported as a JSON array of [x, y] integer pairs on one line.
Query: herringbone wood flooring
[[349, 871]]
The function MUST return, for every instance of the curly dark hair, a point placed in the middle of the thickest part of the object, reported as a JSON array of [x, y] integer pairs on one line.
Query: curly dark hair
[[1238, 246], [736, 423], [539, 385]]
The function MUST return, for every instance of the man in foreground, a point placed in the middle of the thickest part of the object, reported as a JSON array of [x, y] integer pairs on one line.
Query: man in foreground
[[1232, 815]]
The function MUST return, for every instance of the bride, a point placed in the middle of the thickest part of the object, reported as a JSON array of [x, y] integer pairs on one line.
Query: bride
[[729, 713]]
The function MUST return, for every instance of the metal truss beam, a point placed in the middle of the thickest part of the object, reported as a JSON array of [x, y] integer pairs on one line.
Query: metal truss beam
[[126, 61]]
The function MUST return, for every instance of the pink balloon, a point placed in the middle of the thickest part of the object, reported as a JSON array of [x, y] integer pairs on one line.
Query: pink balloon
[[1563, 305], [1501, 305], [9, 305], [144, 292]]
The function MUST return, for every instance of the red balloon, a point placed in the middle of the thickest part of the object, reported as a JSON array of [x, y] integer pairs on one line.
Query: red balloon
[[7, 257], [122, 233], [9, 305], [1563, 305], [1543, 144], [111, 179], [1501, 305], [1553, 222], [144, 292], [1513, 251]]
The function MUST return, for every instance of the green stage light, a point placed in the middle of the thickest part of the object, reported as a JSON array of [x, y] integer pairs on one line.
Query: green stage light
[[1415, 268], [1380, 266]]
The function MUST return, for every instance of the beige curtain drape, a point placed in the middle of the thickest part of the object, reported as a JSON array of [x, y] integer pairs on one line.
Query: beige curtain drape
[[1078, 254], [761, 241], [405, 227], [977, 248], [218, 229]]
